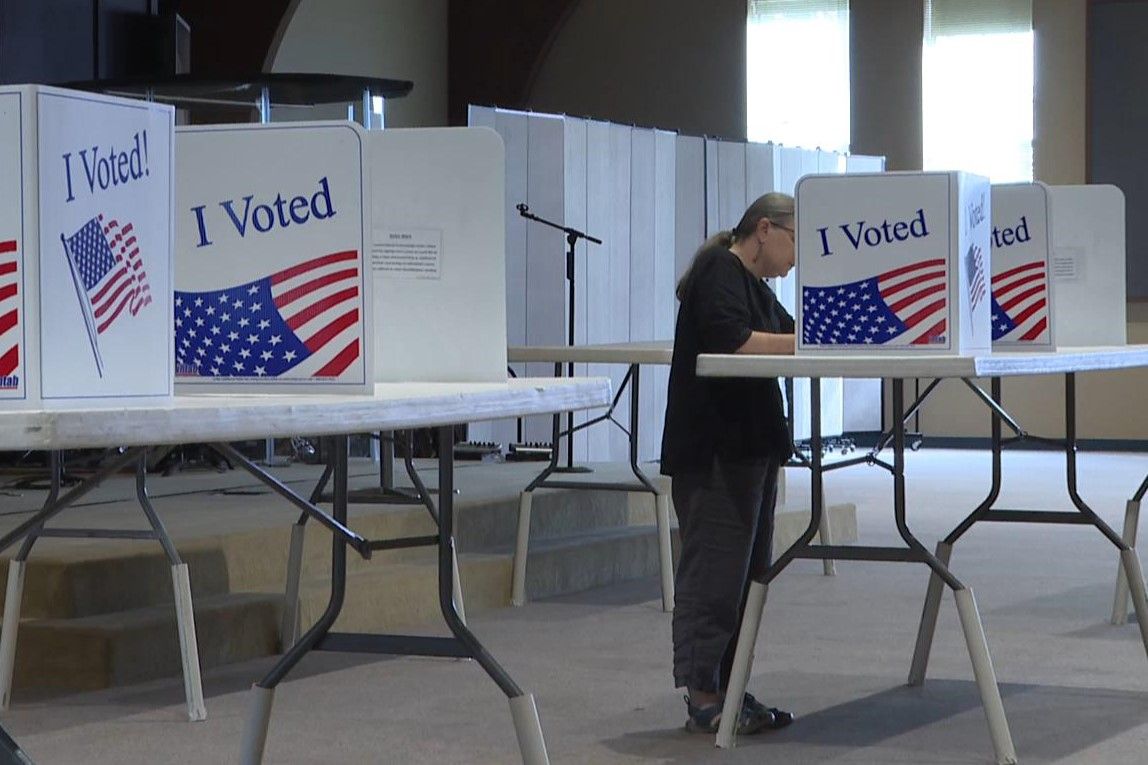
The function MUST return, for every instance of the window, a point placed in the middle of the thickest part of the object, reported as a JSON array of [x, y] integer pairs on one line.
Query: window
[[798, 73], [977, 80]]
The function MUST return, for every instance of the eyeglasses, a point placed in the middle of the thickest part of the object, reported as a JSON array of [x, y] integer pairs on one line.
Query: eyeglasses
[[792, 233]]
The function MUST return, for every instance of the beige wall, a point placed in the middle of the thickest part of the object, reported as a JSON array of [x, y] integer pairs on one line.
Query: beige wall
[[397, 39], [676, 64], [1110, 404]]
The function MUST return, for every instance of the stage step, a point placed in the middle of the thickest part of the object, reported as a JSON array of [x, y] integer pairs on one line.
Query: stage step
[[98, 613], [140, 644]]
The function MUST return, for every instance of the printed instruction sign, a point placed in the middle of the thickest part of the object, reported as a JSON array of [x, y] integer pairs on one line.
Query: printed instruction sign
[[1066, 263], [414, 253]]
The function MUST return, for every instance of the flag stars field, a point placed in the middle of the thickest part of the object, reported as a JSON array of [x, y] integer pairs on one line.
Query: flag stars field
[[308, 319]]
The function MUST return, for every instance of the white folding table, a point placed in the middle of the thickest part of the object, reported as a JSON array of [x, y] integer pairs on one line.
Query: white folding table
[[633, 355], [896, 369], [218, 419]]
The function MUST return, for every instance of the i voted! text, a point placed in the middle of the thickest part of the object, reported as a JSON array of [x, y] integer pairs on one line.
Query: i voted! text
[[102, 167]]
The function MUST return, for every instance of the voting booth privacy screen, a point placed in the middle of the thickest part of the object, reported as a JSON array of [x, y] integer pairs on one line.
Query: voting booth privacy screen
[[1088, 265], [438, 254], [85, 248], [894, 263], [272, 288], [1021, 297]]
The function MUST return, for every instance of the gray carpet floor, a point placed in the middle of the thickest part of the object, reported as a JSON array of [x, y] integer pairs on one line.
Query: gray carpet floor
[[833, 649]]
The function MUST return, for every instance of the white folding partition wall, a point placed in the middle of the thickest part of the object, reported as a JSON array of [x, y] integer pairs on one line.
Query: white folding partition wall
[[652, 197], [608, 176], [643, 168], [725, 184], [545, 248], [689, 200], [655, 379], [596, 286], [576, 206]]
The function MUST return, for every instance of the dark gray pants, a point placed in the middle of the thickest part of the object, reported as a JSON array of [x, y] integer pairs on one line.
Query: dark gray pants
[[725, 521]]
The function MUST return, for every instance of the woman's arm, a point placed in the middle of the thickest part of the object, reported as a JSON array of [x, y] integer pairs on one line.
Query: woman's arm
[[768, 343]]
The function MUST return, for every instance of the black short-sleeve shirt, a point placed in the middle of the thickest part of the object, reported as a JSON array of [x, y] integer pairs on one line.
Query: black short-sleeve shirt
[[733, 418]]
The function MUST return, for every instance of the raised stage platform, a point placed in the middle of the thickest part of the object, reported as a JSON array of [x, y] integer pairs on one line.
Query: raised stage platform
[[97, 613]]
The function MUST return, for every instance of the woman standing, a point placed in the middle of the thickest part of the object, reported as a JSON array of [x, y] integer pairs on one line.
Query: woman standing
[[724, 442]]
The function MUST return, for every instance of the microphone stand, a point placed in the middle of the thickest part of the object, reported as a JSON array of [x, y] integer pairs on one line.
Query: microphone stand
[[572, 237]]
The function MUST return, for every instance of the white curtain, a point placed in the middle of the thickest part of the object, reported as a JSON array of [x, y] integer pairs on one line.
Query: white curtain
[[798, 73], [977, 83]]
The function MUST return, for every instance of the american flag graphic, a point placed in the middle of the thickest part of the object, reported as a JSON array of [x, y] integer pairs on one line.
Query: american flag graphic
[[975, 268], [904, 306], [9, 311], [303, 320], [105, 258], [1020, 303]]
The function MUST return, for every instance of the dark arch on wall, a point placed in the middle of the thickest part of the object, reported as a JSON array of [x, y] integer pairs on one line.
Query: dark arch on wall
[[495, 49], [230, 38]]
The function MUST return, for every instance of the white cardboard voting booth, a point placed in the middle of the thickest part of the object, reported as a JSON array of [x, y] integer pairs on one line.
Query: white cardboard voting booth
[[271, 283], [438, 254], [85, 248], [1087, 265], [894, 263], [1022, 303]]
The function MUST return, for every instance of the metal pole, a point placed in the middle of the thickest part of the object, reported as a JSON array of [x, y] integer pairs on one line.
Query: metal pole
[[368, 109]]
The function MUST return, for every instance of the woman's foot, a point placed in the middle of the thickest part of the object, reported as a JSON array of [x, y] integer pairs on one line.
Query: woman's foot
[[755, 717], [781, 718]]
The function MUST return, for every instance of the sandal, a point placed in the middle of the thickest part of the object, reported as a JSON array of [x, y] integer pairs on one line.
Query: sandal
[[781, 718], [755, 717]]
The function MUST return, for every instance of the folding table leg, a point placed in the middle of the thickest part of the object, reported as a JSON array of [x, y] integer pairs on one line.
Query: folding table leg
[[1120, 601], [258, 721], [825, 537], [521, 547], [528, 729], [755, 597], [531, 743], [456, 586], [181, 586], [289, 628], [263, 692], [742, 664], [985, 676], [929, 619], [665, 549], [1135, 578], [188, 646], [13, 599]]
